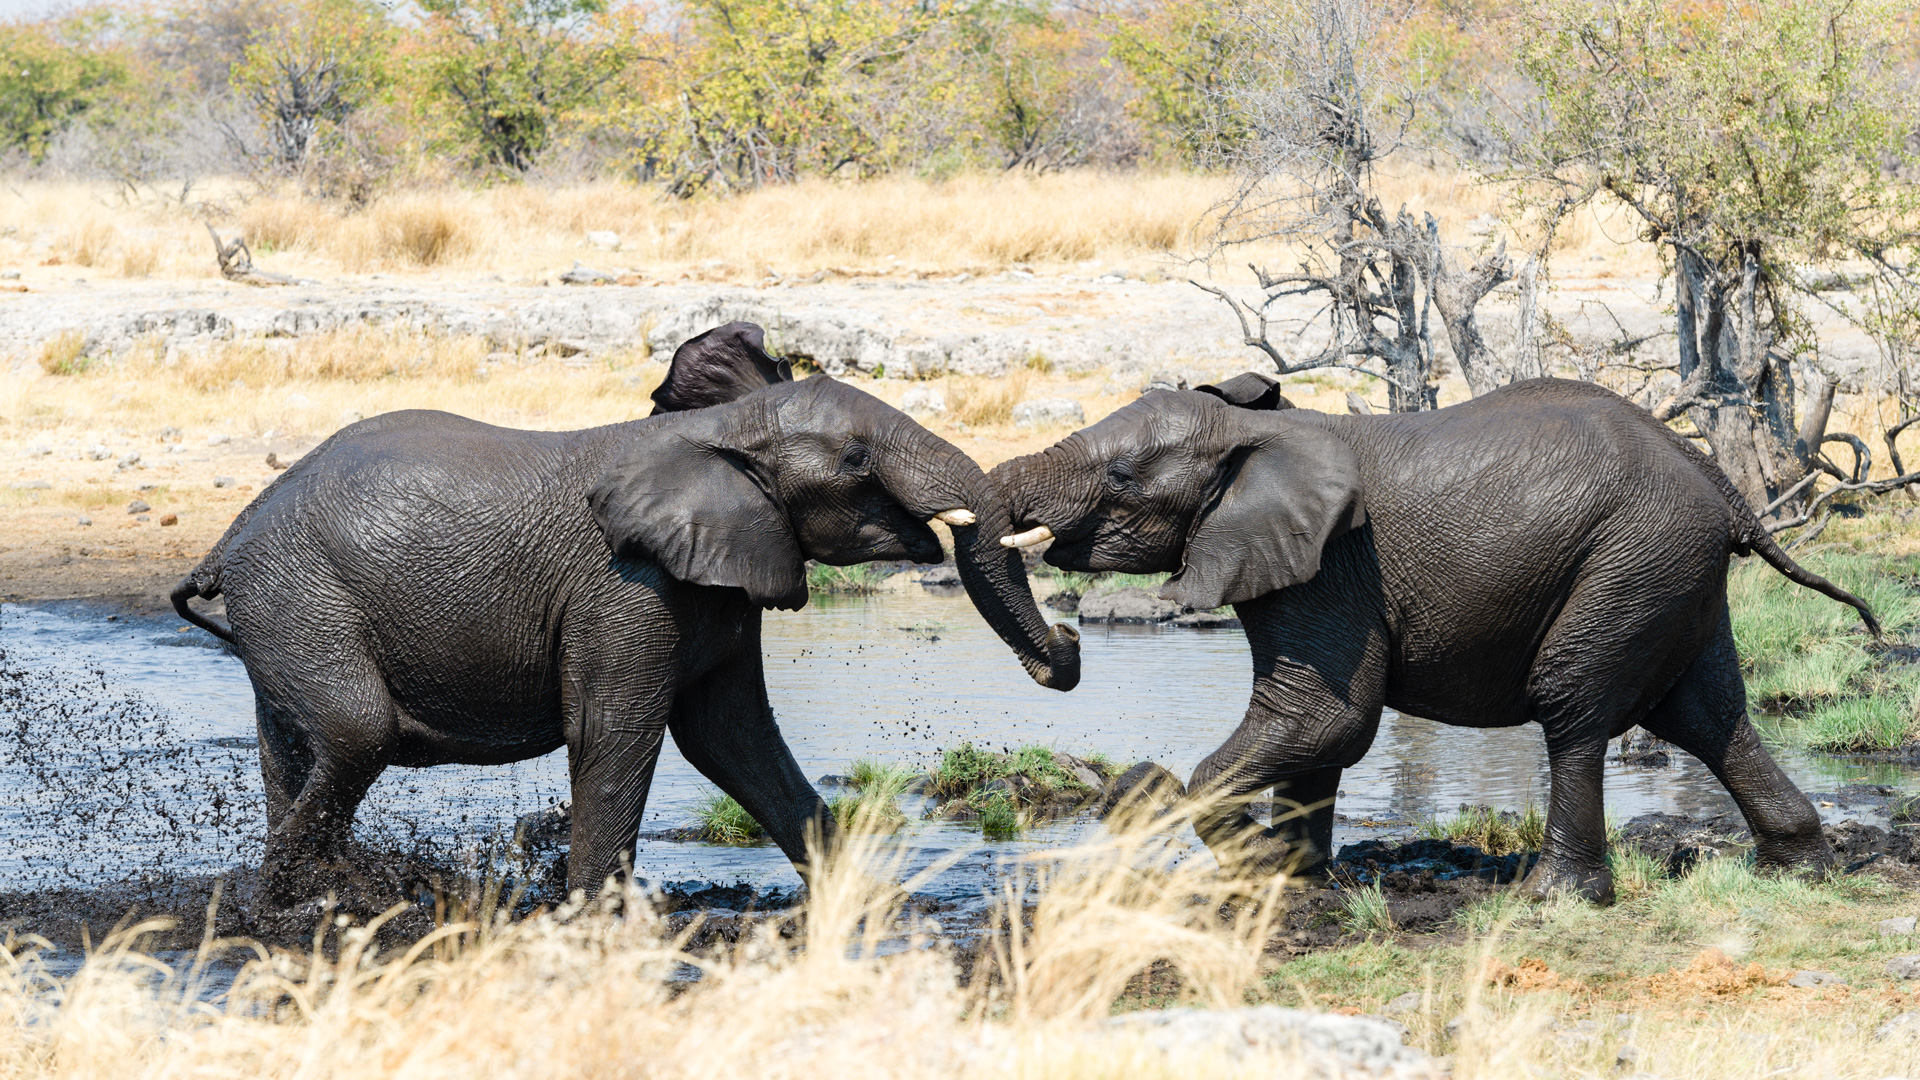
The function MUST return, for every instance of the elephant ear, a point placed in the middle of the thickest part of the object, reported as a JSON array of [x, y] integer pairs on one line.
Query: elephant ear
[[675, 495], [1251, 390], [718, 366], [1280, 500]]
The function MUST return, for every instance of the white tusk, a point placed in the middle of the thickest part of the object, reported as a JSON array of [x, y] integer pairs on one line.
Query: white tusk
[[961, 516], [1039, 534]]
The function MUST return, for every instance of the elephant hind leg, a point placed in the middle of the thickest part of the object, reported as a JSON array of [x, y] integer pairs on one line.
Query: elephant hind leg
[[325, 737], [1705, 714]]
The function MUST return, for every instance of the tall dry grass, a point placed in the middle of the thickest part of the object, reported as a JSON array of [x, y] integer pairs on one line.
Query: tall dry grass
[[1141, 221]]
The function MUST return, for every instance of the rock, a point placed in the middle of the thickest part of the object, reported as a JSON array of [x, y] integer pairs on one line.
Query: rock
[[142, 517], [944, 576], [1626, 1056], [224, 481], [1049, 412], [1129, 605], [1410, 1002], [1064, 602], [1207, 620], [1903, 1027], [1352, 1043], [83, 520], [169, 433], [833, 780], [148, 486], [1166, 380], [138, 507], [1457, 1026], [99, 452], [274, 462], [29, 485], [1088, 778], [128, 460], [219, 440], [604, 240], [1806, 980], [169, 519], [1145, 786], [1904, 967], [39, 450], [585, 275], [1896, 927], [923, 401]]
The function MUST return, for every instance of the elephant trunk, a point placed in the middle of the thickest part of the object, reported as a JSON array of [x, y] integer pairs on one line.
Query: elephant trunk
[[1047, 493], [994, 576]]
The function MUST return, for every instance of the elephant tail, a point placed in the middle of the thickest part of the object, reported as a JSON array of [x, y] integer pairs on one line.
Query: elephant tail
[[1760, 542], [203, 582], [1750, 537]]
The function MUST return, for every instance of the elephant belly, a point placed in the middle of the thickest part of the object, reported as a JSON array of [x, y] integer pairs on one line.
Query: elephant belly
[[487, 709], [508, 739]]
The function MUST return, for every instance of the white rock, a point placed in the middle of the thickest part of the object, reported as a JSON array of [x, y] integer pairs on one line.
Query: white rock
[[1351, 1042], [99, 452], [1049, 412], [1904, 967], [1411, 1001], [1904, 1026], [604, 240], [29, 485], [923, 401], [1806, 980], [38, 450], [223, 481], [128, 460], [219, 440], [1896, 927]]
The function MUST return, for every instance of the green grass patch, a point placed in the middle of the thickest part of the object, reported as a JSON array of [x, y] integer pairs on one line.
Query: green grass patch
[[1104, 581], [857, 580], [721, 820], [1496, 832], [873, 805], [999, 818], [1365, 910], [965, 768], [1799, 648]]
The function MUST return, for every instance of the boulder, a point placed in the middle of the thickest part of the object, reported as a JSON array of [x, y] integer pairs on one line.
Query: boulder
[[1410, 1002], [1807, 980], [1207, 620], [1049, 412], [1904, 967], [1903, 1027], [1128, 605], [1348, 1043], [1145, 786], [923, 401], [1064, 602], [1896, 927]]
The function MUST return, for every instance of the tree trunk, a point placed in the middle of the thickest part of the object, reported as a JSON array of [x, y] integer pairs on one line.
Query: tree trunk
[[1740, 391]]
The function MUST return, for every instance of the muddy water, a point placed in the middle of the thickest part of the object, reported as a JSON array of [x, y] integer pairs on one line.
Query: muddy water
[[131, 751]]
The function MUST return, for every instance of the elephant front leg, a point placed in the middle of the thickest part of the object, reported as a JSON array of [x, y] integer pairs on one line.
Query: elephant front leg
[[1574, 856], [612, 767]]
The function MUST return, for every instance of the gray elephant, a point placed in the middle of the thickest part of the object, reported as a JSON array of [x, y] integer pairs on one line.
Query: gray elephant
[[423, 589], [1547, 553]]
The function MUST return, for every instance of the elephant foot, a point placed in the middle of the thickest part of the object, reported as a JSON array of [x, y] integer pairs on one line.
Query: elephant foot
[[1802, 856], [1551, 876]]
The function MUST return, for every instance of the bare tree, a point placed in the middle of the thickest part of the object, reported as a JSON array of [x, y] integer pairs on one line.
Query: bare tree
[[1324, 109]]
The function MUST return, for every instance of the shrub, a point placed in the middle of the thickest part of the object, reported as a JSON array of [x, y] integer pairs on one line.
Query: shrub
[[1365, 910], [999, 819], [721, 820]]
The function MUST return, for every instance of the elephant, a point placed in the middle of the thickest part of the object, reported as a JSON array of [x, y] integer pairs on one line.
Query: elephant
[[1546, 553], [423, 589]]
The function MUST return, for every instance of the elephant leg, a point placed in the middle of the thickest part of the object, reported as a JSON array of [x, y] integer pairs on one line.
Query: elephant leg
[[616, 707], [724, 727], [1297, 736], [325, 737], [1705, 714]]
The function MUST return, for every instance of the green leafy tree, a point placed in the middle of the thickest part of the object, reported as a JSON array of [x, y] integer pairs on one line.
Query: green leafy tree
[[501, 76], [1182, 54], [52, 73], [1750, 141], [316, 65]]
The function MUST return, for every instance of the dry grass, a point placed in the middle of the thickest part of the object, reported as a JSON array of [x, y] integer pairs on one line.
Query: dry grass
[[1145, 222]]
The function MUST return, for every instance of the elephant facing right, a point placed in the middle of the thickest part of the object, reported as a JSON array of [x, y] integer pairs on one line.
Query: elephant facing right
[[1547, 553]]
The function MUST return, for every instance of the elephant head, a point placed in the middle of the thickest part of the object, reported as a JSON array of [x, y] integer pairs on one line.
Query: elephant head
[[1236, 502], [743, 494]]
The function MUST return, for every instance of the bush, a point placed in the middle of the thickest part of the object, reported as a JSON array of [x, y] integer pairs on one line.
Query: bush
[[1496, 832], [999, 819]]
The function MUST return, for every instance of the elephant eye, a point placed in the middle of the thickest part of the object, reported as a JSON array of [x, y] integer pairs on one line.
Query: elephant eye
[[1120, 475], [855, 460]]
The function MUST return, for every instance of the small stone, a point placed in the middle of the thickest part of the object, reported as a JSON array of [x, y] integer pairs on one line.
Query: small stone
[[604, 240], [11, 275], [142, 517], [1896, 927], [219, 440], [1128, 605], [169, 519], [99, 452], [833, 780], [923, 401], [137, 507], [39, 450], [1626, 1056], [1166, 380], [1144, 786], [586, 275], [127, 461], [1904, 1026], [83, 520], [29, 485], [1806, 980], [1456, 1026], [145, 487], [223, 481], [1904, 967], [1411, 1001], [169, 433], [1049, 412]]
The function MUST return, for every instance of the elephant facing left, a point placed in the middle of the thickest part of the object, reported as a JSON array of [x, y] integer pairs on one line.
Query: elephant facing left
[[424, 589]]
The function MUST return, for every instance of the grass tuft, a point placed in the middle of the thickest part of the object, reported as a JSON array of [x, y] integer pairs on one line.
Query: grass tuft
[[999, 818], [859, 579], [1496, 832], [64, 353], [1365, 910], [721, 820]]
